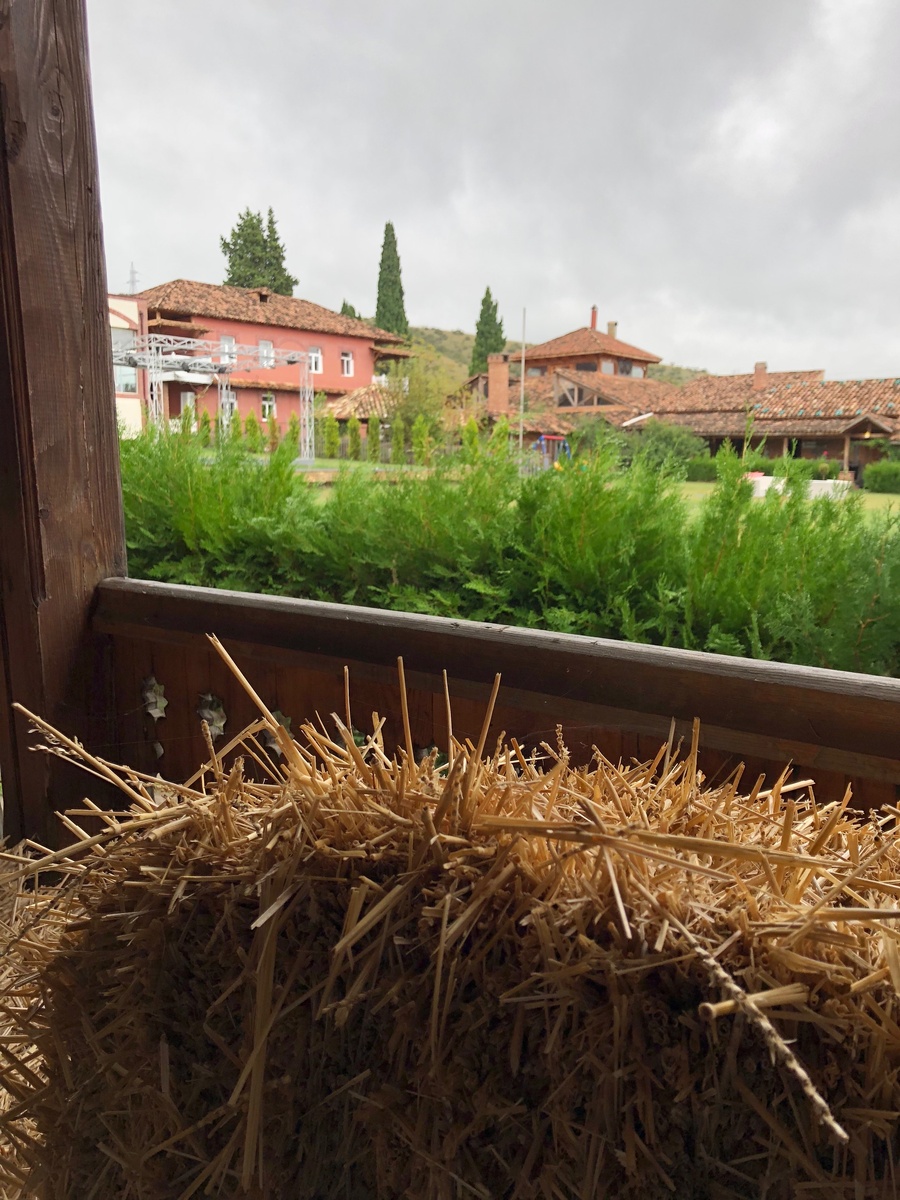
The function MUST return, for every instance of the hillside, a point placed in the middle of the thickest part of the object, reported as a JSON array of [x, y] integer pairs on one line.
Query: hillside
[[669, 373], [454, 351], [452, 346]]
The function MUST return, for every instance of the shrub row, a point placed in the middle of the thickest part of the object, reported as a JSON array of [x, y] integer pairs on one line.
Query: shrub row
[[883, 476], [583, 550]]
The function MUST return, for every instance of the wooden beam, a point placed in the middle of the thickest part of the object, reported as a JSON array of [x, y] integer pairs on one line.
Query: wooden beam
[[61, 525], [748, 705]]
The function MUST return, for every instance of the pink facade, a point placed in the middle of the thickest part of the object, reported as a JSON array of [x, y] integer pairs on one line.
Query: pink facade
[[337, 354]]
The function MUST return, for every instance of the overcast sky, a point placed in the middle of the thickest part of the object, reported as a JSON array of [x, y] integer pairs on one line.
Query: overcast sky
[[720, 176]]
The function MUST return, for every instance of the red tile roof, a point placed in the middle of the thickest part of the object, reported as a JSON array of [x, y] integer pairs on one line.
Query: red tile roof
[[787, 399], [374, 400], [728, 393], [588, 342], [186, 298]]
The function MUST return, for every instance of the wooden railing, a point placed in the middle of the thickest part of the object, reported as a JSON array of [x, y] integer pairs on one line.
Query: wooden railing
[[622, 697]]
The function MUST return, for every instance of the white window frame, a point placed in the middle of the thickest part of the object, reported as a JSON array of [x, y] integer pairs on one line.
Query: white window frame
[[191, 403], [314, 357], [347, 364], [227, 352], [266, 353], [269, 402]]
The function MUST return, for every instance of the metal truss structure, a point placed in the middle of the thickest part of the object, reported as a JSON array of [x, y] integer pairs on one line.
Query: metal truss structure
[[161, 355]]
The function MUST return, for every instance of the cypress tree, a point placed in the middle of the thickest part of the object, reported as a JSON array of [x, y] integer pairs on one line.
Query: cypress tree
[[354, 444], [489, 335], [332, 436], [398, 441], [373, 440], [256, 256], [280, 279], [245, 251], [390, 313], [253, 433], [347, 310]]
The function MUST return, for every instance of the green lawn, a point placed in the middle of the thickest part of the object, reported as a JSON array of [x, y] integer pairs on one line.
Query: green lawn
[[696, 493]]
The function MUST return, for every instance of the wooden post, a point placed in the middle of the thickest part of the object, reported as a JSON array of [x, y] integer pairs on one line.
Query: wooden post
[[847, 454], [61, 526]]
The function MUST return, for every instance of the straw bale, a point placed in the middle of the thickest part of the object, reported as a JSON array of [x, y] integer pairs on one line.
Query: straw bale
[[340, 973]]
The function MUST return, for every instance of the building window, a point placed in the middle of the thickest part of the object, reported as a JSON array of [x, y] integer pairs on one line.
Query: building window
[[269, 408], [624, 365], [534, 371], [122, 343], [226, 349], [346, 362], [188, 403], [637, 372], [266, 354], [315, 360], [586, 366], [607, 367]]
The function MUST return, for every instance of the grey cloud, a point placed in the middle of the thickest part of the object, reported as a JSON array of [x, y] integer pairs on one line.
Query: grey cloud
[[723, 179]]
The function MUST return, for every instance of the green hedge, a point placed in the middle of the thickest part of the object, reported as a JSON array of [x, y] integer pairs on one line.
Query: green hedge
[[595, 551], [883, 476], [701, 470]]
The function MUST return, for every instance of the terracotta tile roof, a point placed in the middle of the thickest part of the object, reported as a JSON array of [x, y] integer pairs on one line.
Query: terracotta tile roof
[[550, 421], [544, 391], [789, 406], [588, 341], [730, 393], [362, 403], [643, 395], [733, 425], [186, 298], [265, 385]]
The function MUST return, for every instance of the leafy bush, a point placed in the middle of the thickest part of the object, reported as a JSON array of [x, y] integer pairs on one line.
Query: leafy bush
[[593, 550], [882, 476], [471, 442], [753, 460], [808, 468], [253, 433], [354, 439], [421, 441], [293, 432], [332, 434], [701, 470], [659, 443], [273, 433], [398, 440], [204, 428], [373, 440]]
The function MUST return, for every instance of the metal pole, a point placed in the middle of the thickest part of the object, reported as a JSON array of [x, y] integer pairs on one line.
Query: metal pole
[[522, 391]]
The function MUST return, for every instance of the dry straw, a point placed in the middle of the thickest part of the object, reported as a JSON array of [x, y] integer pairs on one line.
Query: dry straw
[[348, 974]]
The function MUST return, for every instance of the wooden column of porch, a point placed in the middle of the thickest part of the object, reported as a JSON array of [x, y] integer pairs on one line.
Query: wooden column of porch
[[61, 528]]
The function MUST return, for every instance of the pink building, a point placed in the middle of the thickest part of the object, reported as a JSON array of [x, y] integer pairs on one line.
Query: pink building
[[127, 323], [344, 353]]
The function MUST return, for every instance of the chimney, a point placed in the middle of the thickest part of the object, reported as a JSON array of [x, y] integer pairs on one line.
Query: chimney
[[498, 384], [611, 327], [760, 377], [593, 316]]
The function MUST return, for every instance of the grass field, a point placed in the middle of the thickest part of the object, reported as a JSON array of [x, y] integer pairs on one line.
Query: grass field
[[696, 493]]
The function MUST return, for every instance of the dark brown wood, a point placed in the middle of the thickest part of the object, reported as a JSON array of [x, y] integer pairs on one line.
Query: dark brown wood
[[60, 506], [601, 691]]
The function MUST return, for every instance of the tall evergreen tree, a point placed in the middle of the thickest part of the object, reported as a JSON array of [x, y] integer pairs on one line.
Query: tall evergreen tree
[[245, 251], [280, 279], [347, 310], [389, 312], [255, 255], [489, 335]]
